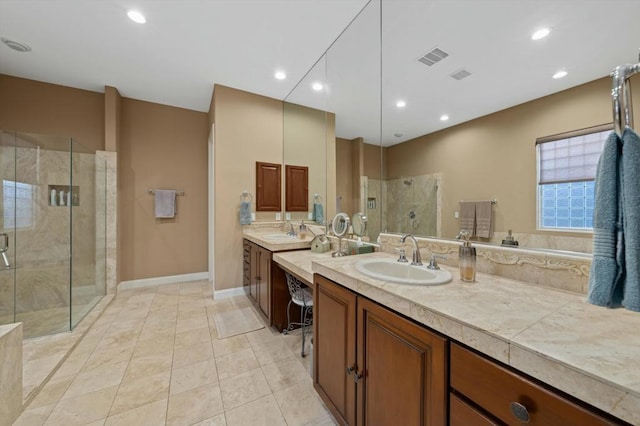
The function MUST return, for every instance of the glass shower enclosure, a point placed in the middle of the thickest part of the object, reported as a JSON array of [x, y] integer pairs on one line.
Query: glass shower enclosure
[[52, 232]]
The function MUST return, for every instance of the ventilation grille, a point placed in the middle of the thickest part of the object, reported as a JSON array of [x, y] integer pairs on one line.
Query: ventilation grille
[[460, 74], [434, 56]]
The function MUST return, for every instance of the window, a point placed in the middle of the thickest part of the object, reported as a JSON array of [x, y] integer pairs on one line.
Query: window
[[18, 204], [567, 166]]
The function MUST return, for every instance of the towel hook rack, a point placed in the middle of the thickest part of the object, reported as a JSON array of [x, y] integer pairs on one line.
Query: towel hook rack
[[621, 96]]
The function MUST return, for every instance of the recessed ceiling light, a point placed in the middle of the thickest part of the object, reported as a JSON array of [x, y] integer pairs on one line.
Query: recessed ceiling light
[[401, 104], [317, 86], [136, 16], [560, 74], [444, 117], [280, 75], [541, 33], [18, 47]]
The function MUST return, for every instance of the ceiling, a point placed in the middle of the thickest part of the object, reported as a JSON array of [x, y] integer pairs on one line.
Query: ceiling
[[187, 46]]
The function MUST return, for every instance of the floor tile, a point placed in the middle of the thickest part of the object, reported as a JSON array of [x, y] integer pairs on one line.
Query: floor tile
[[235, 363], [151, 414], [82, 409], [284, 373], [97, 379], [300, 403], [34, 416], [192, 337], [51, 393], [268, 353], [243, 388], [149, 365], [194, 405], [218, 420], [262, 412], [193, 376], [187, 355], [230, 345], [107, 357], [136, 393]]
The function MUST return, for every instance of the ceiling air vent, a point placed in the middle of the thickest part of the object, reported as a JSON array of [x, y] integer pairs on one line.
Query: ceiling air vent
[[433, 56], [460, 74]]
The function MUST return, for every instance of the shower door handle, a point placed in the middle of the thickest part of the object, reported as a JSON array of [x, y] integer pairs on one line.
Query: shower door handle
[[5, 242], [4, 248]]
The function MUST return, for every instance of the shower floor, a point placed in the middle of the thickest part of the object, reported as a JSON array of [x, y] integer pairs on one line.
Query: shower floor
[[48, 321]]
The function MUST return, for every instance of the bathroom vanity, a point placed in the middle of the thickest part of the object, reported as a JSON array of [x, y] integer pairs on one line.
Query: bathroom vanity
[[496, 351]]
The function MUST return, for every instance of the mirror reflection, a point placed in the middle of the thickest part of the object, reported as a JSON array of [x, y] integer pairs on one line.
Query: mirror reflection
[[434, 108]]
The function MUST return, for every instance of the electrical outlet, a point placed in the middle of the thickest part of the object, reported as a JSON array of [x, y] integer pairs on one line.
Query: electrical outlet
[[456, 215], [278, 216], [253, 216], [310, 216], [287, 216]]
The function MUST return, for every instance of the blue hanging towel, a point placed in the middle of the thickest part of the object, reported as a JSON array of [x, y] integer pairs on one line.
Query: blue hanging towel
[[245, 213], [318, 213], [631, 217], [607, 265]]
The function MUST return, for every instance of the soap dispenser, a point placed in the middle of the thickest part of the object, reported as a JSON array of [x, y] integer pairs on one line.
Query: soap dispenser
[[302, 230], [467, 259]]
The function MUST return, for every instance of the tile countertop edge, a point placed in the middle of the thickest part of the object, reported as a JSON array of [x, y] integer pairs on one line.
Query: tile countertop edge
[[514, 351], [257, 236]]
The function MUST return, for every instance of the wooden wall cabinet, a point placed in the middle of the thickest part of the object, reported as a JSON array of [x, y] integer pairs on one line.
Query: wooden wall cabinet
[[374, 367], [486, 393], [268, 187], [297, 188]]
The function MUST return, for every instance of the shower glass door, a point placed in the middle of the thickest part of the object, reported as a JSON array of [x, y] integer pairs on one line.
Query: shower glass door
[[7, 237]]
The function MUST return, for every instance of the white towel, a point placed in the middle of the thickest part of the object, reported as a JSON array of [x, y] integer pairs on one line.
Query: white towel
[[165, 203], [468, 217]]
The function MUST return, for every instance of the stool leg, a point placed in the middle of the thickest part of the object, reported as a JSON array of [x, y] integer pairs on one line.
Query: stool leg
[[288, 329], [303, 312]]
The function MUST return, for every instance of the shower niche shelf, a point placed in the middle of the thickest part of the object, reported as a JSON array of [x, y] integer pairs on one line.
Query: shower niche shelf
[[74, 197]]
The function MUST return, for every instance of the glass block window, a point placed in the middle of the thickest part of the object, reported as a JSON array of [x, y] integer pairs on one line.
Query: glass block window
[[17, 198], [567, 166]]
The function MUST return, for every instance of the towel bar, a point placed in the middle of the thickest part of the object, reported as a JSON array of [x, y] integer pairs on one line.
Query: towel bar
[[153, 191]]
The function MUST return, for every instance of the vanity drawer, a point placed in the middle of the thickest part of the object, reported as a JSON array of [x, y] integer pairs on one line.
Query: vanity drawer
[[462, 414], [500, 391]]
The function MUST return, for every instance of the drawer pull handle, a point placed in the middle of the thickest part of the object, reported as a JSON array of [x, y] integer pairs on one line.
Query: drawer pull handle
[[520, 412]]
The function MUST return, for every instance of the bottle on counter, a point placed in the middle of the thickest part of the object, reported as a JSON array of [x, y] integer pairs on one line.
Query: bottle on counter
[[467, 259], [302, 231]]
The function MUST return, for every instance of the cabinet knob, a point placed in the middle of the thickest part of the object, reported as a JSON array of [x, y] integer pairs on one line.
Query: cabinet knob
[[357, 377], [520, 412], [350, 369]]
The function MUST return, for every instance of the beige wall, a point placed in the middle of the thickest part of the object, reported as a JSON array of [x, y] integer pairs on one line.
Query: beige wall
[[495, 156], [36, 107], [162, 147], [248, 128]]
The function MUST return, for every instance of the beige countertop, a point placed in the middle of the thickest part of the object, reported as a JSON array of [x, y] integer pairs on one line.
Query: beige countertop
[[260, 237], [299, 262], [590, 352]]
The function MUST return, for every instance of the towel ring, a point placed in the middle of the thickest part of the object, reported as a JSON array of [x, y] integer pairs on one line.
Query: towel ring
[[317, 197], [246, 194]]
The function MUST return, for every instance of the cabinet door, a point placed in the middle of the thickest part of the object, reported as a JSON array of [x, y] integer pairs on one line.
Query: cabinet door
[[403, 368], [264, 284], [255, 271], [334, 338], [268, 181], [297, 188]]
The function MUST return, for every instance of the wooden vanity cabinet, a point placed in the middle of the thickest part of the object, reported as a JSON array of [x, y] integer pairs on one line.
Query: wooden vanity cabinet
[[259, 282], [374, 367], [495, 392]]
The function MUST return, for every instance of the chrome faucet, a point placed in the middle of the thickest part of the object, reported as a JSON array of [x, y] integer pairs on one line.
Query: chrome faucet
[[3, 250], [417, 259], [292, 231]]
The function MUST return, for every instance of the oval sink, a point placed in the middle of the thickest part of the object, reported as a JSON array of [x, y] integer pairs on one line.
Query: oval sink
[[402, 273], [278, 237]]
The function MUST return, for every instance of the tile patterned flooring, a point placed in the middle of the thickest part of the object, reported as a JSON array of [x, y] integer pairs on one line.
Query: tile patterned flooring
[[154, 358]]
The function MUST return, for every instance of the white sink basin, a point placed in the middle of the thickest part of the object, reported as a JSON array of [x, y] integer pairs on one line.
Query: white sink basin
[[402, 273], [278, 237]]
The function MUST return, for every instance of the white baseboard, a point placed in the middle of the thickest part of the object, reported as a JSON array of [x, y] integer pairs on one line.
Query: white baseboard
[[169, 279], [230, 292]]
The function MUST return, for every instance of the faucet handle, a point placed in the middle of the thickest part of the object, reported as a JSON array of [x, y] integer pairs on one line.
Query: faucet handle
[[403, 255], [433, 264]]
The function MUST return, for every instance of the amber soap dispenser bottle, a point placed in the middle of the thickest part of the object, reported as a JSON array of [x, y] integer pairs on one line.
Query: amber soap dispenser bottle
[[467, 260]]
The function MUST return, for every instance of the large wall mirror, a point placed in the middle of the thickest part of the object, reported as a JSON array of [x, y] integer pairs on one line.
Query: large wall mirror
[[437, 103]]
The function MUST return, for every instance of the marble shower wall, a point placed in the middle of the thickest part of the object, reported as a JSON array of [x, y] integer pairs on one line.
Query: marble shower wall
[[412, 205]]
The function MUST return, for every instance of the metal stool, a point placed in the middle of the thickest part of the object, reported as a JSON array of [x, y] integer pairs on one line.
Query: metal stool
[[301, 296]]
